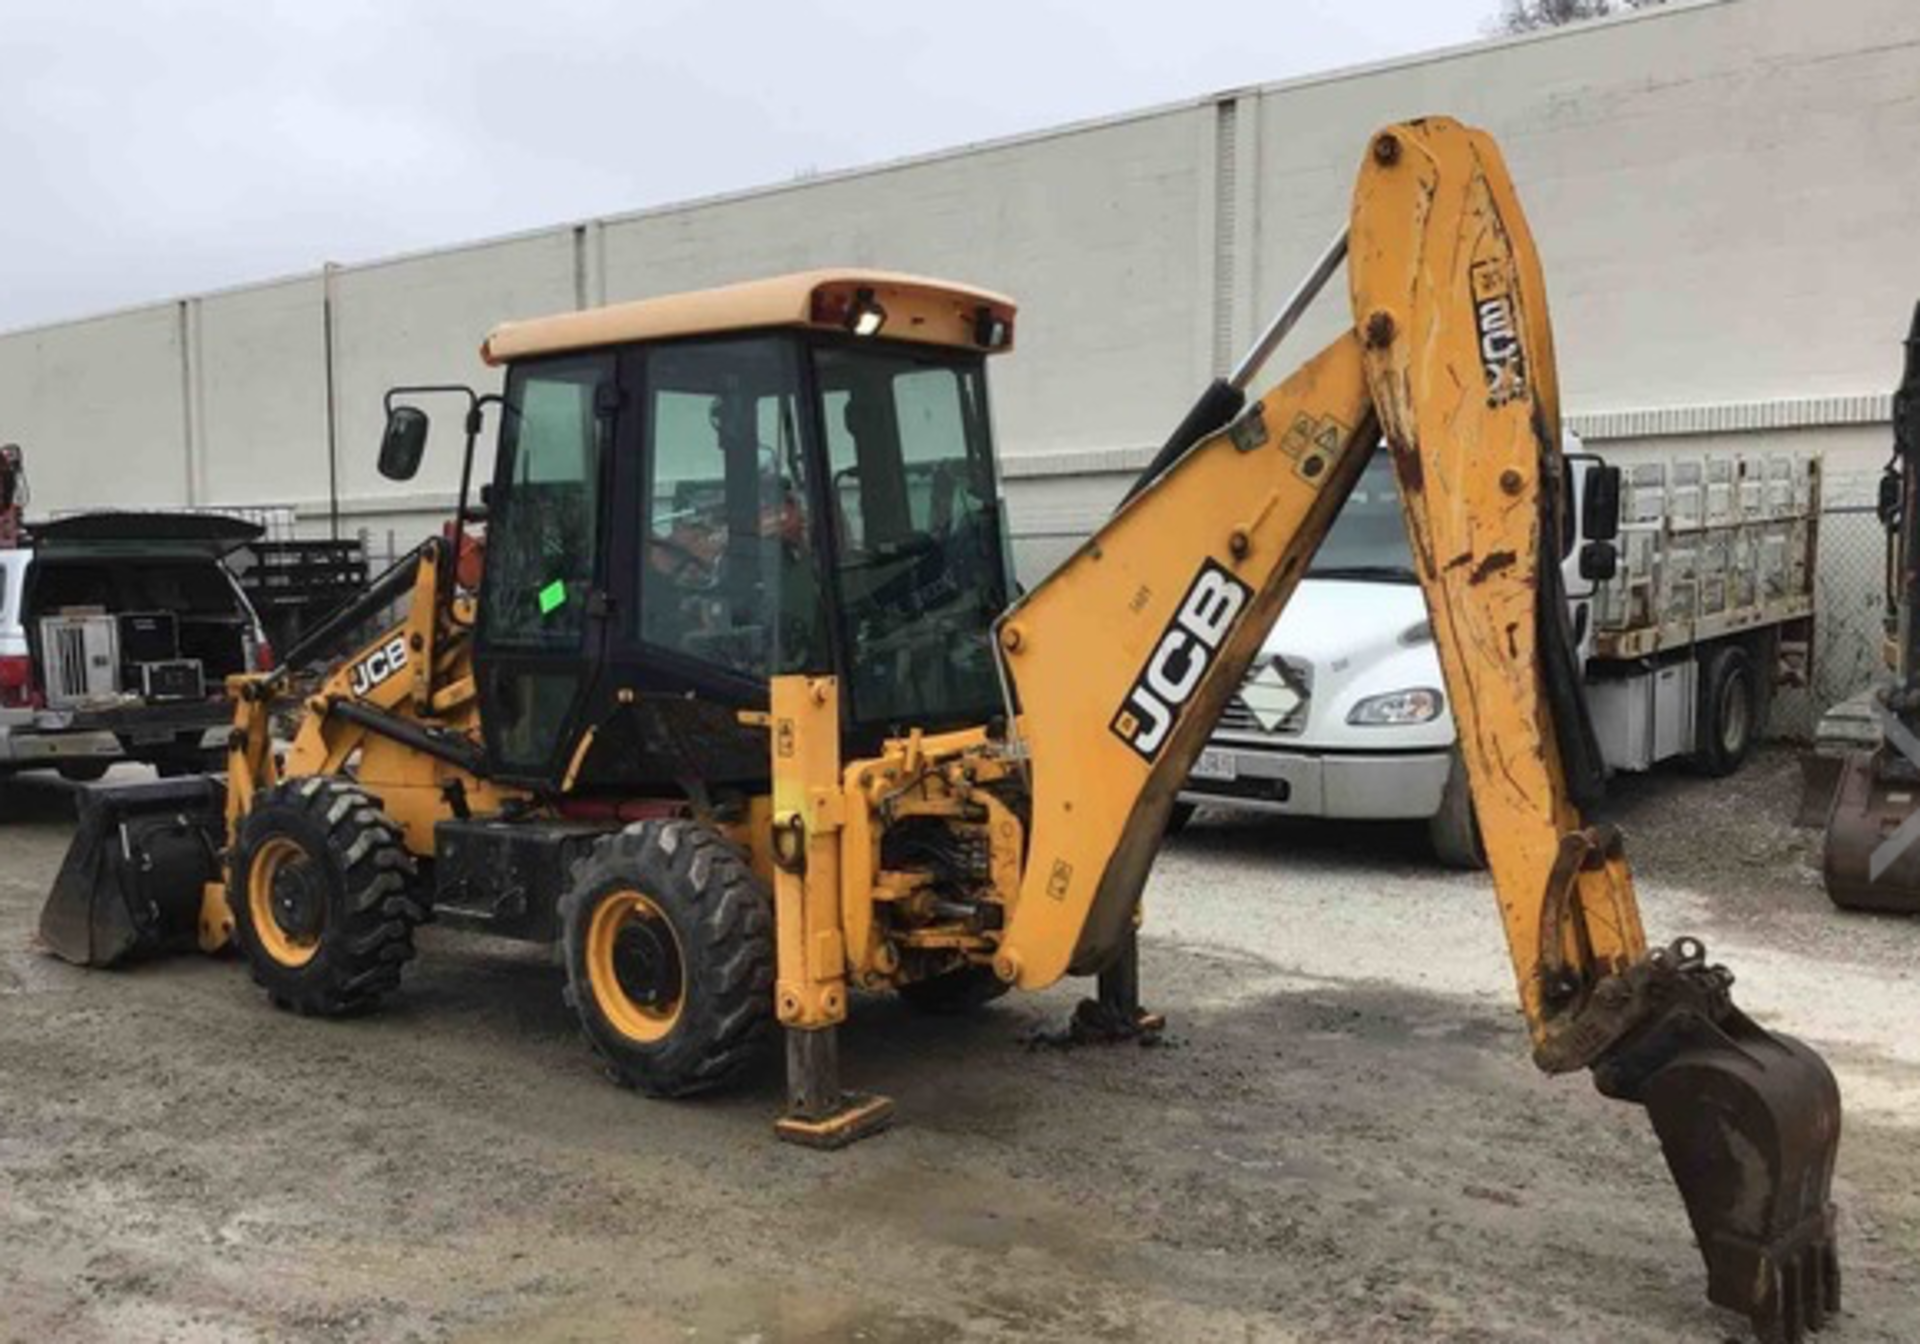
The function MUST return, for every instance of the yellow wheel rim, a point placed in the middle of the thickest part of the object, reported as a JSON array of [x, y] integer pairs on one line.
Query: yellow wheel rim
[[635, 967], [270, 861]]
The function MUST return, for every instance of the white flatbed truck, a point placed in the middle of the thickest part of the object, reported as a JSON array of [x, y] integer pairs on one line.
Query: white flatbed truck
[[1709, 607]]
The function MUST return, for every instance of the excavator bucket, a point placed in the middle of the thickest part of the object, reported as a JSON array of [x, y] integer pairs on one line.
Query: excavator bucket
[[1869, 861], [1750, 1125], [134, 876]]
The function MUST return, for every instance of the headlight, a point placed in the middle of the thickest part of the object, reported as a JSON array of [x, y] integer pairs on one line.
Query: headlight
[[1418, 705]]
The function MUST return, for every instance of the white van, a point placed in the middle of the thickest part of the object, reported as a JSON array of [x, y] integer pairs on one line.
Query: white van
[[1344, 712]]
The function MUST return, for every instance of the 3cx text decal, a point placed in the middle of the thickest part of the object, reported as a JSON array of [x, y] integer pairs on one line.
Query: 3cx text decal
[[378, 666], [1498, 326], [1180, 659]]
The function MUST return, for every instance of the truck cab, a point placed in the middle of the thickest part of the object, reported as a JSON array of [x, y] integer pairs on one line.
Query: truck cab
[[1343, 714], [1705, 605]]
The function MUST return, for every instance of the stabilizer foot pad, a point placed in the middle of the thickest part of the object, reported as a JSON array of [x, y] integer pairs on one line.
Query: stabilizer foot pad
[[1097, 1023], [857, 1117]]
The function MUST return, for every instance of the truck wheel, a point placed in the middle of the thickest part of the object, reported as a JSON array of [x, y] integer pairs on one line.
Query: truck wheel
[[323, 897], [1454, 831], [1178, 818], [670, 956], [956, 992], [1728, 718], [83, 772]]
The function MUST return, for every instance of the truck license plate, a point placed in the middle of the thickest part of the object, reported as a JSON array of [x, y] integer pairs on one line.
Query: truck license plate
[[1215, 765]]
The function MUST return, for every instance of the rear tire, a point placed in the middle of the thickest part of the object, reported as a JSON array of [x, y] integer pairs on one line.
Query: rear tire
[[1454, 831], [670, 956], [84, 772], [1178, 818], [1727, 720], [323, 897]]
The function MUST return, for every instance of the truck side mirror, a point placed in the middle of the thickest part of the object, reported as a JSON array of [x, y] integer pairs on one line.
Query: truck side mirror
[[1599, 561], [1600, 504], [404, 443]]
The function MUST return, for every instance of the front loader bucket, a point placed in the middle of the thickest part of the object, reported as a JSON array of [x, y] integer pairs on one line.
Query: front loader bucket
[[1750, 1125], [133, 878]]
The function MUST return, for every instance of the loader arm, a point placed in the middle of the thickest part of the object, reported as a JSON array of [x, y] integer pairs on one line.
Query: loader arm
[[1119, 664]]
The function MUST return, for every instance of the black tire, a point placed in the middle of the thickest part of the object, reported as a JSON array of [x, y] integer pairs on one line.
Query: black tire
[[1727, 722], [1454, 831], [956, 992], [83, 772], [1178, 818], [670, 956], [323, 896]]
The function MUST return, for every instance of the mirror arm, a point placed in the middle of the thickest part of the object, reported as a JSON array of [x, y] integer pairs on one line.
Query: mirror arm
[[476, 421]]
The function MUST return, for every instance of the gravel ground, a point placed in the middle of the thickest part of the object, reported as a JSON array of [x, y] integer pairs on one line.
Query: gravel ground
[[1341, 1140]]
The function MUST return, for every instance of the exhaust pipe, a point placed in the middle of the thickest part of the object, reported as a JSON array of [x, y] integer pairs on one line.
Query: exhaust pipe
[[133, 879]]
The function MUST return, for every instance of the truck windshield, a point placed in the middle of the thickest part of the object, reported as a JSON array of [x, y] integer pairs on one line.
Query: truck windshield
[[916, 522], [1368, 541]]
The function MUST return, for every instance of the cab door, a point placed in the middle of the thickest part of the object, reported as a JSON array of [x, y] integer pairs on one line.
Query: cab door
[[538, 646]]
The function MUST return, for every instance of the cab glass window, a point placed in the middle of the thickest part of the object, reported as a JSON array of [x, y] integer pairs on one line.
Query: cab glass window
[[728, 574], [920, 558], [541, 538]]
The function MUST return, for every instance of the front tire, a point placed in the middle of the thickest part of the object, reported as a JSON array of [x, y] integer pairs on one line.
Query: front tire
[[83, 772], [1729, 708], [1454, 831], [670, 956], [323, 899]]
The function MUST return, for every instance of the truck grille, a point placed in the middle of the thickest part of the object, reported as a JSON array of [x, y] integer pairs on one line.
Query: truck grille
[[1239, 719]]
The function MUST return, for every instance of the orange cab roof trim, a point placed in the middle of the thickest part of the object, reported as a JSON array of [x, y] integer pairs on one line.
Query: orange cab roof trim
[[935, 312]]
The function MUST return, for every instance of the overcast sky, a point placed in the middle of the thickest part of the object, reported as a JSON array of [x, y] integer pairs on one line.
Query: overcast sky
[[149, 150]]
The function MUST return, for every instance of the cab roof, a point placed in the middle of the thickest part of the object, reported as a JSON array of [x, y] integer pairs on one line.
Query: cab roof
[[916, 308]]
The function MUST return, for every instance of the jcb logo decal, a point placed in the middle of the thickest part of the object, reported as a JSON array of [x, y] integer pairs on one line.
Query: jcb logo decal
[[1180, 659], [377, 667], [1497, 322]]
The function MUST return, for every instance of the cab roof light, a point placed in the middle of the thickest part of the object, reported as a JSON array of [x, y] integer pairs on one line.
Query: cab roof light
[[990, 330], [865, 317]]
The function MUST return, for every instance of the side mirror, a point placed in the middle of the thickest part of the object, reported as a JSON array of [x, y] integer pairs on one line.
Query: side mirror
[[1599, 562], [1600, 504], [404, 443]]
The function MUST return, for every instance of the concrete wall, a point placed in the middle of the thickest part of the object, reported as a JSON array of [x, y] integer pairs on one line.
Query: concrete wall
[[1720, 191], [100, 407], [259, 380]]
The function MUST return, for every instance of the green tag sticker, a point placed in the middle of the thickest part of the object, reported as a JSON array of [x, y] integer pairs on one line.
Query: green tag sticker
[[553, 597]]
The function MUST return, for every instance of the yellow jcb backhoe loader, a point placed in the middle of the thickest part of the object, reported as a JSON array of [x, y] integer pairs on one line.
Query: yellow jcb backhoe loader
[[741, 713]]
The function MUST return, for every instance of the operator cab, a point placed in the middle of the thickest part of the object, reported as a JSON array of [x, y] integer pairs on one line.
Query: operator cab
[[697, 493]]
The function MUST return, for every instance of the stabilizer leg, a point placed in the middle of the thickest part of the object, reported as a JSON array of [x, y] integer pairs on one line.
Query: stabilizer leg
[[819, 1114], [1116, 1015]]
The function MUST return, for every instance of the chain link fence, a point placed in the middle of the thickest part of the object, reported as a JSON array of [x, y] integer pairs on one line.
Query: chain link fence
[[1849, 615]]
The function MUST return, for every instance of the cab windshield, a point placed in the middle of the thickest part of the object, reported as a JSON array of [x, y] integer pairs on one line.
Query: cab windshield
[[1368, 541], [916, 525]]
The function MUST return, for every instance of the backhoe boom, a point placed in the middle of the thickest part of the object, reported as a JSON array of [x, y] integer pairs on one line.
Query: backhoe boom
[[1450, 360]]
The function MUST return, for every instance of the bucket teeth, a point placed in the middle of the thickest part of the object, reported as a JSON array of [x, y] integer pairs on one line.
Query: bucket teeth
[[1797, 1295]]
